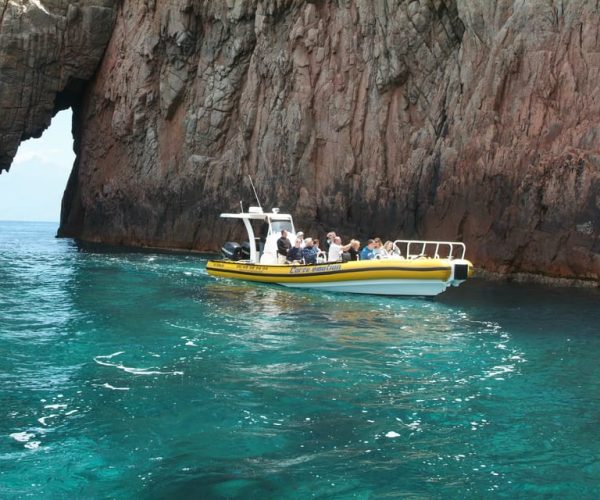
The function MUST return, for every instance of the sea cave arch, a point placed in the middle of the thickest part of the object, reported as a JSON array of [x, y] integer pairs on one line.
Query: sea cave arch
[[33, 188]]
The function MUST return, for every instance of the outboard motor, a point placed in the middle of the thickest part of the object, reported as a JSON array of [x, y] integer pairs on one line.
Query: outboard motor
[[460, 272], [232, 250], [245, 250]]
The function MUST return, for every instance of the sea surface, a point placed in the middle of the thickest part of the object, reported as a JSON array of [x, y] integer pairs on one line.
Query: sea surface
[[136, 375]]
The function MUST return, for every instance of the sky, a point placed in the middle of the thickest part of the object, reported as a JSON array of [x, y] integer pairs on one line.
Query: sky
[[32, 190]]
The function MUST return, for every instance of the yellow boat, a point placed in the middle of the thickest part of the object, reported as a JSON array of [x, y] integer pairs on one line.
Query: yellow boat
[[418, 270]]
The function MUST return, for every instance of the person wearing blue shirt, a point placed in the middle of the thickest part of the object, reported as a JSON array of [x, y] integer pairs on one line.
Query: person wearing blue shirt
[[368, 252], [309, 252]]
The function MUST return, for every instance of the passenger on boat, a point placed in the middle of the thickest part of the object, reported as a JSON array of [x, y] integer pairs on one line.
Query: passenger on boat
[[263, 233], [335, 249], [317, 244], [321, 255], [387, 250], [378, 247], [309, 252], [283, 245], [294, 255], [368, 253], [330, 239], [300, 235], [353, 249]]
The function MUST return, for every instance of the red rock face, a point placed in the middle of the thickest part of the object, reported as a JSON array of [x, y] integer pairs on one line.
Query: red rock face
[[476, 121]]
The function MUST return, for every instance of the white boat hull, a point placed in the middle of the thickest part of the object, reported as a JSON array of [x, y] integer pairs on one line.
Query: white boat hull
[[378, 287]]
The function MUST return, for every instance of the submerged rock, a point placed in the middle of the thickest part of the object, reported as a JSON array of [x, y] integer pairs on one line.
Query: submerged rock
[[439, 119]]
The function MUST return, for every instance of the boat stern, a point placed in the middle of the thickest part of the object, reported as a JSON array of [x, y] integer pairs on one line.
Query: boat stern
[[462, 269]]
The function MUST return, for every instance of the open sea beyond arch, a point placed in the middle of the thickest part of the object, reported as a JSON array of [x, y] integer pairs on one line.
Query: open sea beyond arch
[[136, 375]]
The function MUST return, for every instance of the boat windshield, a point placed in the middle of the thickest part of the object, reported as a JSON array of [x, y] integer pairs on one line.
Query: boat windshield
[[278, 225]]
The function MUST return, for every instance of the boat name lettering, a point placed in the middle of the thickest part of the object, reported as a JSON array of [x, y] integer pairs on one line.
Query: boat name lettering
[[249, 267], [315, 269]]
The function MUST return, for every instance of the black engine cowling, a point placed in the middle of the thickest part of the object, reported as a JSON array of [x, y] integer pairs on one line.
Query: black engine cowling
[[245, 251], [232, 250]]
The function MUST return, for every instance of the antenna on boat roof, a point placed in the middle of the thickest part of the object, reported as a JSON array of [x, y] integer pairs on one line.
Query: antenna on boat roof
[[255, 195], [241, 206]]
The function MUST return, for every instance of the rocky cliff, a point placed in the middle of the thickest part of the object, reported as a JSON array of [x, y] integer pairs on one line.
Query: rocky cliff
[[48, 51], [445, 119]]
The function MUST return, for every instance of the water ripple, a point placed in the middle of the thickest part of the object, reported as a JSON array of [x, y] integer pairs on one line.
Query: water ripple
[[133, 371], [489, 390]]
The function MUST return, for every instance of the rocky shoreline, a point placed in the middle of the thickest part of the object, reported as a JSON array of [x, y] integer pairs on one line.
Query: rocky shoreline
[[553, 281]]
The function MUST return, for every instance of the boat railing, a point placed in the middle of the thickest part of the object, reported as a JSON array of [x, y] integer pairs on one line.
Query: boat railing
[[413, 249]]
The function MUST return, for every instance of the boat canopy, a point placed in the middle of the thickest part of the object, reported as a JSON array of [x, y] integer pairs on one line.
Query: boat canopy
[[263, 216], [276, 222]]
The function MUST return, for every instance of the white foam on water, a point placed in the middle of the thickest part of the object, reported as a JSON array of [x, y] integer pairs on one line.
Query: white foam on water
[[182, 327], [190, 343], [33, 445], [392, 434], [108, 356], [500, 370], [55, 407], [112, 388], [128, 369], [22, 437], [42, 420], [146, 371], [71, 412], [414, 425]]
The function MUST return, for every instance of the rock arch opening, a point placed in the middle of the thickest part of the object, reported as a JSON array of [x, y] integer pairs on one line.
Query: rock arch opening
[[33, 188]]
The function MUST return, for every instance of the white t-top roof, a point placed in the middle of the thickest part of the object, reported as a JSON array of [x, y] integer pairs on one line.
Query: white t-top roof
[[257, 216]]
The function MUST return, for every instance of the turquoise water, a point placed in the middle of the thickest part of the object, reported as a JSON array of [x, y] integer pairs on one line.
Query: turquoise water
[[137, 375]]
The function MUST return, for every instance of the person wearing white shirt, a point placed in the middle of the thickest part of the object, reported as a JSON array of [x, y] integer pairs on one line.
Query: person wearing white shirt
[[335, 250]]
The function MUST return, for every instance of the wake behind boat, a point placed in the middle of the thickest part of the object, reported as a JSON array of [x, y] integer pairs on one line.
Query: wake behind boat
[[423, 268]]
